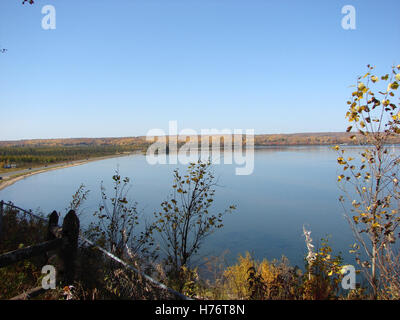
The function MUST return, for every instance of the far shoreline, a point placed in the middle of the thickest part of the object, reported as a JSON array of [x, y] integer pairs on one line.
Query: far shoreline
[[17, 177]]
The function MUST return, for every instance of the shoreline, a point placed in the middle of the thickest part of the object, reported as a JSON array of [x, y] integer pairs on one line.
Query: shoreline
[[13, 179]]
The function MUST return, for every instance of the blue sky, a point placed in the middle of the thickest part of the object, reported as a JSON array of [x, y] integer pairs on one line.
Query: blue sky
[[121, 68]]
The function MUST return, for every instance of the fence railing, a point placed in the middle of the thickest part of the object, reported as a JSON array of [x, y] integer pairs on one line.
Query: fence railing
[[65, 241]]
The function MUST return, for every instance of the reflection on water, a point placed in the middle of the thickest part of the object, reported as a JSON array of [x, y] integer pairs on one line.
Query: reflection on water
[[290, 187]]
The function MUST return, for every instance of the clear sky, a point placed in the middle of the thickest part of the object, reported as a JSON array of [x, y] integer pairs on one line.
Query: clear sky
[[121, 68]]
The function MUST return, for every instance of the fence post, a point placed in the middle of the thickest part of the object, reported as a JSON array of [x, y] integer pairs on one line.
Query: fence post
[[53, 223], [52, 233], [70, 235], [1, 218]]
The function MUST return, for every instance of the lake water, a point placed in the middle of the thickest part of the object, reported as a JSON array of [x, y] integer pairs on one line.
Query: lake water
[[290, 187]]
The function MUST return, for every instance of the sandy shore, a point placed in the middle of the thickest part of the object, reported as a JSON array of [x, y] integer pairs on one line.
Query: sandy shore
[[8, 182]]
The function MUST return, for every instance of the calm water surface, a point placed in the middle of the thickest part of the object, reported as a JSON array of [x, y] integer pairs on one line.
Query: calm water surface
[[290, 187]]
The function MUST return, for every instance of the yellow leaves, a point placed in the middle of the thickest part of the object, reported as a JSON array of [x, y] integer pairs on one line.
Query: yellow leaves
[[377, 103], [355, 219], [353, 116], [374, 79], [375, 225], [336, 148], [349, 128], [396, 130], [237, 275], [350, 159], [394, 86], [385, 77], [397, 77], [340, 177], [180, 190], [359, 93], [396, 116], [361, 86], [386, 102], [341, 161], [361, 108]]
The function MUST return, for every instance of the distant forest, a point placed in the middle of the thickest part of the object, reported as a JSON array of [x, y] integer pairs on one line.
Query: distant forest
[[43, 151], [26, 152]]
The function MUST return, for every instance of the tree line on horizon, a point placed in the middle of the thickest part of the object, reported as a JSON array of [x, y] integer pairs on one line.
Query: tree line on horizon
[[47, 151], [317, 138]]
